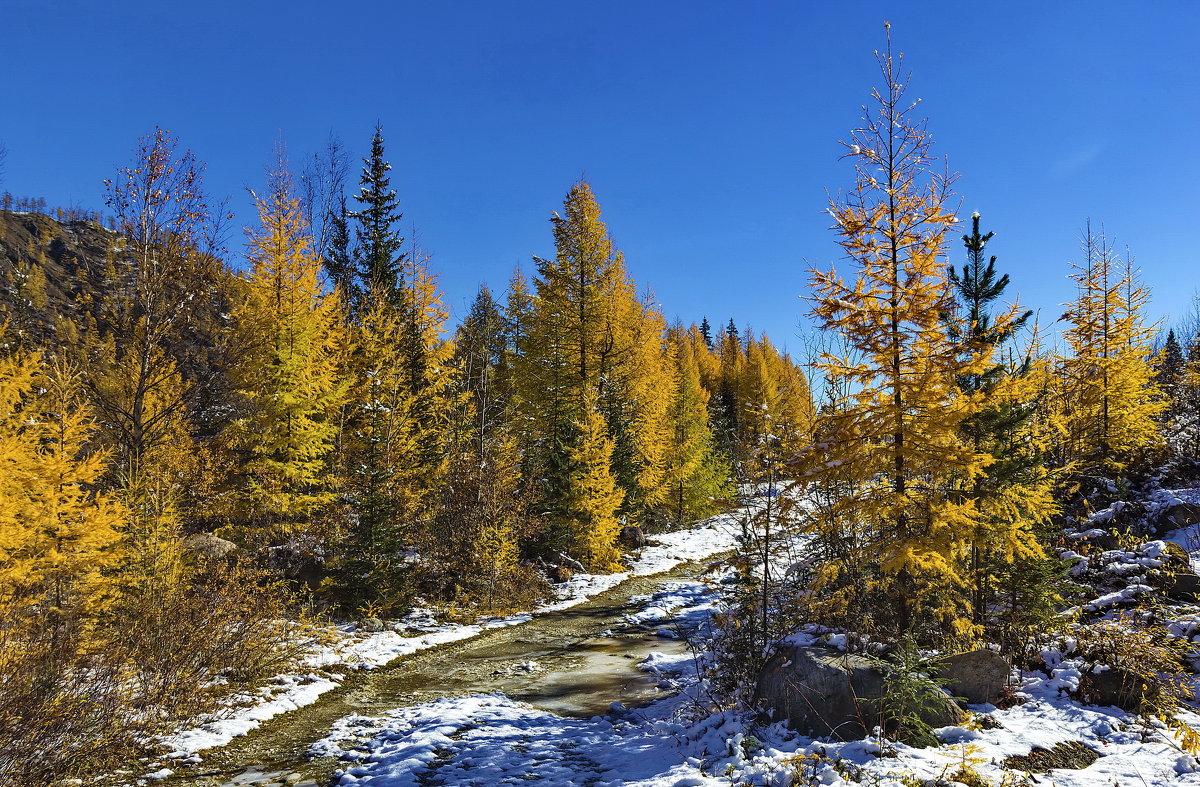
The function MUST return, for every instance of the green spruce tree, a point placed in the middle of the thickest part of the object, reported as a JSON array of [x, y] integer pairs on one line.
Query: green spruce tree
[[1013, 491], [380, 258], [338, 257]]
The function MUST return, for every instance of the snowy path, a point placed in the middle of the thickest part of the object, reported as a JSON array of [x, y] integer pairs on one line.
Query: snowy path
[[329, 666], [492, 740], [574, 654]]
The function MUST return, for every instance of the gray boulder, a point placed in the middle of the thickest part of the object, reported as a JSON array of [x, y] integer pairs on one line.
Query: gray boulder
[[977, 676], [1115, 686], [206, 546], [1184, 587], [1179, 515], [829, 694], [632, 537], [371, 625]]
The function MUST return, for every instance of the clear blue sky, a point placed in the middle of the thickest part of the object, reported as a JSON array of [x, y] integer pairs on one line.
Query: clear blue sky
[[708, 129]]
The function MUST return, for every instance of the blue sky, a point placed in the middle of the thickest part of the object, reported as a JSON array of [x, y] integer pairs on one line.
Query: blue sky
[[708, 129]]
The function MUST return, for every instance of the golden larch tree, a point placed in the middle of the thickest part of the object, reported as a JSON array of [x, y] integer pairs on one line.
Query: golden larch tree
[[592, 497], [57, 534], [1112, 400], [896, 447], [292, 333]]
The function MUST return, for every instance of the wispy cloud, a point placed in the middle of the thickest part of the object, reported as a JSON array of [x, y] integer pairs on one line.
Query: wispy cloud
[[1076, 160]]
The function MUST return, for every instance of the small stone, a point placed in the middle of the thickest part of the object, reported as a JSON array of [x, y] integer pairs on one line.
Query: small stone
[[371, 625], [292, 778]]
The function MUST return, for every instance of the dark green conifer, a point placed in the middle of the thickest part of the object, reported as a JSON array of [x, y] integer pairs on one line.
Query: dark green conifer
[[380, 259], [338, 258], [995, 428], [1168, 375]]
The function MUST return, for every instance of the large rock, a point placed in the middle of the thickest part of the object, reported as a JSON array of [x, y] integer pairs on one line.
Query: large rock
[[1179, 515], [829, 694], [206, 546], [1184, 587], [977, 676], [632, 537], [1115, 686]]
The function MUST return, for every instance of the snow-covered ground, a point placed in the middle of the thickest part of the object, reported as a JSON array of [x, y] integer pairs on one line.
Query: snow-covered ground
[[345, 649], [682, 741], [490, 739], [493, 740]]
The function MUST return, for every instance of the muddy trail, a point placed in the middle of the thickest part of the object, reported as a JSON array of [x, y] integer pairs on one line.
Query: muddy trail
[[574, 662]]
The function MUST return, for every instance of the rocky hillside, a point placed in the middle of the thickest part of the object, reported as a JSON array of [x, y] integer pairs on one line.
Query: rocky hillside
[[44, 267], [52, 272]]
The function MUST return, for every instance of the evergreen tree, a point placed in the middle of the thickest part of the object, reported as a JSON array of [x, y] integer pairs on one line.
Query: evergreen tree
[[706, 333], [727, 416], [381, 446], [1169, 370], [396, 432], [978, 287], [479, 356], [1013, 493], [379, 243], [338, 257]]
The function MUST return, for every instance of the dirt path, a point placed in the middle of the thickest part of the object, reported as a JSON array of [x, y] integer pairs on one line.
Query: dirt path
[[574, 662]]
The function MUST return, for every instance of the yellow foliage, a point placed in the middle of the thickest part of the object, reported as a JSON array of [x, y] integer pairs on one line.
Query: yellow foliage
[[1110, 401], [585, 332], [56, 535], [593, 497], [292, 333], [894, 447]]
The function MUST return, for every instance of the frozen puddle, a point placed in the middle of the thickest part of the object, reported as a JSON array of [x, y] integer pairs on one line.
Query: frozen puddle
[[595, 674]]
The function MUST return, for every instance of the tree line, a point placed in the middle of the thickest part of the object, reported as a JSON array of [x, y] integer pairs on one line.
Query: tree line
[[178, 430], [955, 439]]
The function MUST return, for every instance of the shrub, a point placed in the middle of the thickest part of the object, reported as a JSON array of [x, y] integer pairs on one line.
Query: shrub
[[1150, 664], [910, 696], [80, 696]]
